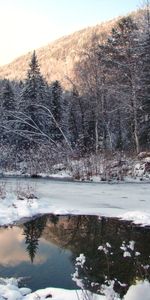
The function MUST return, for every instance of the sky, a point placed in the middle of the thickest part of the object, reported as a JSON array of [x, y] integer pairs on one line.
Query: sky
[[29, 24]]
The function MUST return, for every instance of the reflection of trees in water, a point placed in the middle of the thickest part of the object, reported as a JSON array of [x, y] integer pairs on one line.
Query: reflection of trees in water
[[54, 219], [84, 234], [33, 231]]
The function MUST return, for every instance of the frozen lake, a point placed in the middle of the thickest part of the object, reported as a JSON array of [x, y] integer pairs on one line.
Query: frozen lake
[[127, 200]]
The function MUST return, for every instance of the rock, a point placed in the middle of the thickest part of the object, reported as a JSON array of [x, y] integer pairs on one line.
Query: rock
[[143, 154]]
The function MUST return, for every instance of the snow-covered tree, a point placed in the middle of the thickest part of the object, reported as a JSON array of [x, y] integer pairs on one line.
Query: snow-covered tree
[[7, 105], [144, 93], [56, 106], [34, 93], [90, 80], [56, 99], [121, 59], [7, 96]]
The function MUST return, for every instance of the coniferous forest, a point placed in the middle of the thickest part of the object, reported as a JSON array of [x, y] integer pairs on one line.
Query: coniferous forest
[[105, 108]]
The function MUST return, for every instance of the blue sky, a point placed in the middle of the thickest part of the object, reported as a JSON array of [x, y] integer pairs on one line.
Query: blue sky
[[29, 24]]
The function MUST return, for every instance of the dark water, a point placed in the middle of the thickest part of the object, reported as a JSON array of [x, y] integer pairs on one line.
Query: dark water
[[44, 251]]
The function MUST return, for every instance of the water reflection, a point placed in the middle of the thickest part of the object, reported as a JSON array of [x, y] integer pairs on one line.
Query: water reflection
[[11, 247], [24, 252], [113, 250], [125, 261], [33, 231]]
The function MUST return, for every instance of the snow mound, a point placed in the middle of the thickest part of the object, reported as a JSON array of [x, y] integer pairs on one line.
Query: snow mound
[[138, 217], [139, 291], [9, 290]]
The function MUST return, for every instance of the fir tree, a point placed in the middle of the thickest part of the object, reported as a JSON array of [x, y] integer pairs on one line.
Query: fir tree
[[56, 94], [7, 96], [7, 108], [56, 108], [34, 94]]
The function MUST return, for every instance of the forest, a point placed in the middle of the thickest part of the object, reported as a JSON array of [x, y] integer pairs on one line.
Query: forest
[[105, 109]]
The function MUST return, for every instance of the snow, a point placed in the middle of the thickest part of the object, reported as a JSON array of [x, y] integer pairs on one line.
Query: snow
[[128, 249], [80, 261], [137, 217], [108, 291], [105, 248], [61, 174], [139, 291], [61, 294], [123, 200], [10, 290], [139, 170], [126, 254], [131, 245]]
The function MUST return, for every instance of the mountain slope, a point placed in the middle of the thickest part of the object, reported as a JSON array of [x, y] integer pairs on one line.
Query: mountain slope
[[57, 59]]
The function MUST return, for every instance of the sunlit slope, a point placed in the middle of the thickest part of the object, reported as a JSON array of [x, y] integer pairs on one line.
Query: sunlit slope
[[58, 58]]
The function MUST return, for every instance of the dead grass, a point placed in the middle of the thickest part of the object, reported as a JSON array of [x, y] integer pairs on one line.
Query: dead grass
[[25, 192], [2, 190]]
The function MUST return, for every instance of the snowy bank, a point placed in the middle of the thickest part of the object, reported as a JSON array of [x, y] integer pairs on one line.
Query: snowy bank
[[95, 168], [27, 198], [10, 290]]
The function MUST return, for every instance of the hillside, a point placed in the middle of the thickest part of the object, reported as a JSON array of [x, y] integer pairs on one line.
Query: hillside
[[57, 59]]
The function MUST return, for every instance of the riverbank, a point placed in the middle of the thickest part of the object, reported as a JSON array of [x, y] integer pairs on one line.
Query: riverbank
[[25, 198], [93, 168], [10, 290]]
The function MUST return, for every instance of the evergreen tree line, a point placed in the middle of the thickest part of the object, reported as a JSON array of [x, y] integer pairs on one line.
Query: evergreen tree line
[[107, 107]]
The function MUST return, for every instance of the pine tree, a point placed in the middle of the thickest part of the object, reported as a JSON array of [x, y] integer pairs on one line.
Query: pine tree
[[7, 108], [7, 96], [34, 95], [35, 88], [56, 97], [56, 108]]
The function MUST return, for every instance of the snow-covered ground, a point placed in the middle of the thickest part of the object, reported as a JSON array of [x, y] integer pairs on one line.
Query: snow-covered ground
[[129, 201], [9, 290]]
